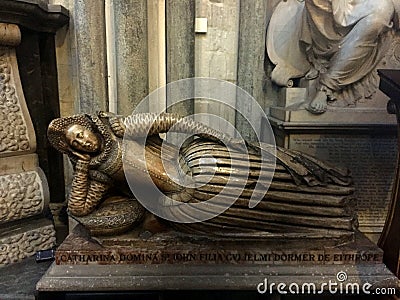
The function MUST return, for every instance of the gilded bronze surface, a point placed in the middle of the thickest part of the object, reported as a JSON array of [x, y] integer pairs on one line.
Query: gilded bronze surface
[[306, 196]]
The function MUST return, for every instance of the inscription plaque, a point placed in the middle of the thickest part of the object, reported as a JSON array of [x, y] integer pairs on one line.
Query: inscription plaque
[[175, 248]]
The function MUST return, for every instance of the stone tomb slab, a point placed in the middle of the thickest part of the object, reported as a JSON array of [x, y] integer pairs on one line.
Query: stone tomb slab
[[108, 278], [171, 261]]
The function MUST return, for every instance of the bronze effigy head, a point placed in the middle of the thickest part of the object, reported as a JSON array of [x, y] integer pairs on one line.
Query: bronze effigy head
[[74, 133], [82, 139]]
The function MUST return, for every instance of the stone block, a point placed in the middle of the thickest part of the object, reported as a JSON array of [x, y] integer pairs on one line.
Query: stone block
[[19, 241], [289, 97], [23, 195]]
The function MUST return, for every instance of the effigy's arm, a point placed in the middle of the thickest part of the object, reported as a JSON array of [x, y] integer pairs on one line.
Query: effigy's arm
[[146, 124], [85, 193]]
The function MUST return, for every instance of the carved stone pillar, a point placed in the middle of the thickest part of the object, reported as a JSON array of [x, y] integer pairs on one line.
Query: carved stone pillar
[[24, 193]]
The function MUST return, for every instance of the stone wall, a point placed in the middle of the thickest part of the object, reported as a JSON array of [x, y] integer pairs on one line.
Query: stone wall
[[232, 49], [82, 56], [153, 42], [217, 50]]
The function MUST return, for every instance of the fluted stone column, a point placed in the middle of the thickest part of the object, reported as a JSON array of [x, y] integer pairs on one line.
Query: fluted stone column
[[131, 53], [251, 75], [180, 18], [91, 55]]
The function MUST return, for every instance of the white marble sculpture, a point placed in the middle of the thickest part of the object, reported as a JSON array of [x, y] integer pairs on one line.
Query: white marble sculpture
[[337, 42]]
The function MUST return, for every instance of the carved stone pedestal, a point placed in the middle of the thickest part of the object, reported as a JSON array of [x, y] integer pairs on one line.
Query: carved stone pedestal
[[23, 186], [28, 87]]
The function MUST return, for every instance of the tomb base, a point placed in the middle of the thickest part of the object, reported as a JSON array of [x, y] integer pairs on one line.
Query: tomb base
[[172, 261], [95, 278]]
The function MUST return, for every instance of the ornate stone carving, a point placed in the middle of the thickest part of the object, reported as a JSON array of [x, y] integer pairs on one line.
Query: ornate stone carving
[[13, 128], [16, 247], [21, 196]]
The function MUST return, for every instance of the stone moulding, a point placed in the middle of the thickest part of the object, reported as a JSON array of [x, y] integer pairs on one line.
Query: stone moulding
[[34, 14]]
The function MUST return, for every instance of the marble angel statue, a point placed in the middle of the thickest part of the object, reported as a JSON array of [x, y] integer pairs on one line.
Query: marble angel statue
[[339, 43]]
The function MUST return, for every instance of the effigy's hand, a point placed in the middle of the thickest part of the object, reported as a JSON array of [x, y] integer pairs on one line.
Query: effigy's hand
[[81, 156]]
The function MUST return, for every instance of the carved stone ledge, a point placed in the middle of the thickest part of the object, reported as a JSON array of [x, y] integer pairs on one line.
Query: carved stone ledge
[[24, 190], [19, 242], [24, 194]]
